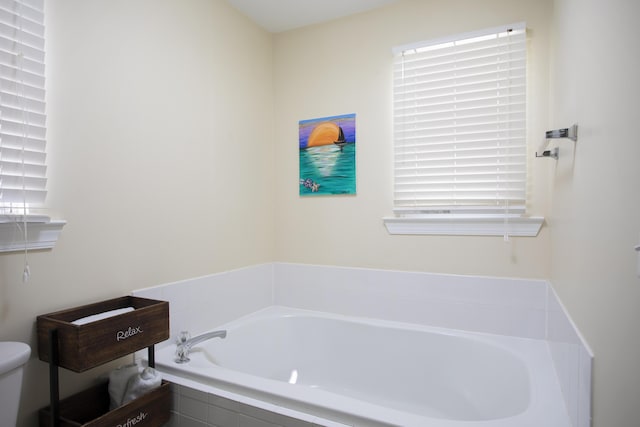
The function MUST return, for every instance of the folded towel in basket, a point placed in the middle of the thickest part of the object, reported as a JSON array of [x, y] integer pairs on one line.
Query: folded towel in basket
[[142, 383], [100, 316], [118, 381]]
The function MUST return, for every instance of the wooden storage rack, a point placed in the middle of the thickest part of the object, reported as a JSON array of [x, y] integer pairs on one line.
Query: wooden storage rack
[[79, 348]]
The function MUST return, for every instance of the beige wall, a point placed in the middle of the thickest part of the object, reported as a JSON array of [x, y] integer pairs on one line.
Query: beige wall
[[595, 219], [160, 122], [345, 67]]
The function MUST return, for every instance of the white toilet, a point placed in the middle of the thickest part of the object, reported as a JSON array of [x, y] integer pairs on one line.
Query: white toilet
[[13, 356]]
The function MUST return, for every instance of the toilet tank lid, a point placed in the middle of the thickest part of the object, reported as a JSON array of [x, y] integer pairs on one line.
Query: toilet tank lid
[[12, 355]]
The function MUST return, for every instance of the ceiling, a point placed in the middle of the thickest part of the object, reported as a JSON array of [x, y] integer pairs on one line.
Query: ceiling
[[281, 15]]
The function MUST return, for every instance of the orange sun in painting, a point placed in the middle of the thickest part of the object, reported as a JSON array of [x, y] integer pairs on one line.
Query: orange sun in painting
[[323, 134]]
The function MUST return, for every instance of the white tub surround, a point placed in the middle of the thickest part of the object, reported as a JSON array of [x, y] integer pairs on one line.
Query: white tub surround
[[523, 317]]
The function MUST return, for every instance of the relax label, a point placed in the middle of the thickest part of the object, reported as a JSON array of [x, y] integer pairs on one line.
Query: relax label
[[135, 420], [123, 335]]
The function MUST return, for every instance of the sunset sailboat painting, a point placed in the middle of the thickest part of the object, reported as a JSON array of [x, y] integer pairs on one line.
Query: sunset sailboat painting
[[328, 155]]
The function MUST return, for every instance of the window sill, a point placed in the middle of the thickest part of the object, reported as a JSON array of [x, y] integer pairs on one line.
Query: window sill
[[464, 226], [42, 234]]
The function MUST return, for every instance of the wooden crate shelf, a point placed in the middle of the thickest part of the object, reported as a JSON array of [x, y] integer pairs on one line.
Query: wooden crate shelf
[[87, 346], [90, 408], [78, 348]]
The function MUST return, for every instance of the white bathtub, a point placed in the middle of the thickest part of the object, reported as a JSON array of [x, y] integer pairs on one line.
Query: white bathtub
[[369, 372]]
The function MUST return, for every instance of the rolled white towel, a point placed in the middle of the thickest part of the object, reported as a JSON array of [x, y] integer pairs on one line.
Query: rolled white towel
[[100, 316], [138, 385], [118, 381]]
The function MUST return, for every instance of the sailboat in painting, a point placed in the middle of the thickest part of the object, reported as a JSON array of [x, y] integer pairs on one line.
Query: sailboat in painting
[[341, 141]]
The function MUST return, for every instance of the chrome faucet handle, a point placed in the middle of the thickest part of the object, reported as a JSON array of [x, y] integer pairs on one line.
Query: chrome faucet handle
[[182, 354], [183, 337], [182, 349]]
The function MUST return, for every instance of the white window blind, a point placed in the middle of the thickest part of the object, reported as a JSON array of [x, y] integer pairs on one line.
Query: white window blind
[[460, 124], [22, 106]]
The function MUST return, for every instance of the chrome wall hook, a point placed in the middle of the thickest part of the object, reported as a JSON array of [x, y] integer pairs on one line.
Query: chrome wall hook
[[553, 153]]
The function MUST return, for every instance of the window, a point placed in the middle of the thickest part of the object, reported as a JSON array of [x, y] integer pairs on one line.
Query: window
[[460, 151], [22, 128], [22, 106]]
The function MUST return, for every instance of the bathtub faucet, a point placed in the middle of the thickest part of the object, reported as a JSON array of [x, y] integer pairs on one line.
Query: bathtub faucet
[[185, 342]]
